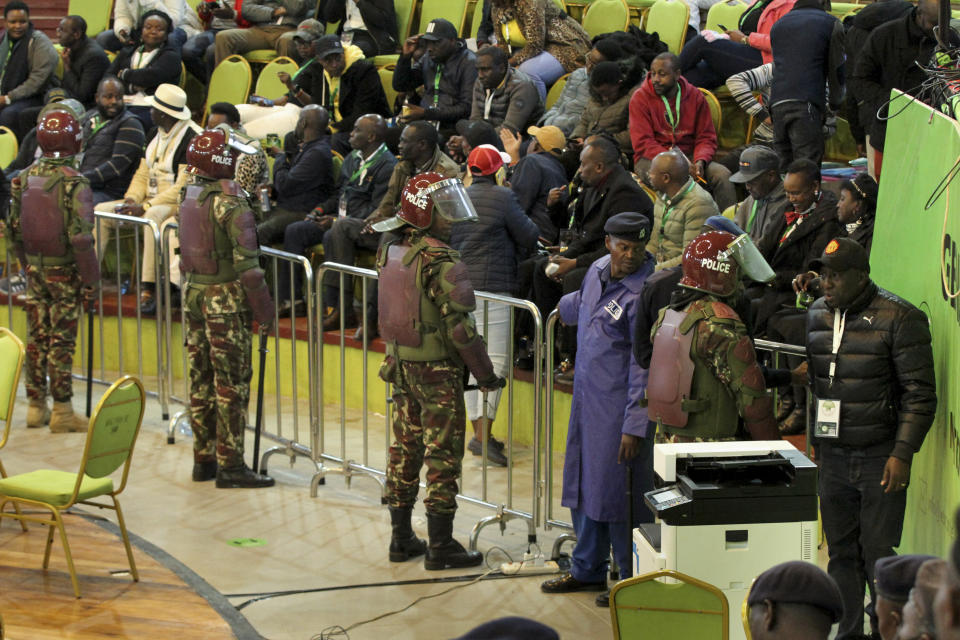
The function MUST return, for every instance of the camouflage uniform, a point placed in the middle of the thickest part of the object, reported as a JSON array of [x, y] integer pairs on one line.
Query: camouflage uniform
[[218, 319], [734, 383], [428, 392], [53, 298]]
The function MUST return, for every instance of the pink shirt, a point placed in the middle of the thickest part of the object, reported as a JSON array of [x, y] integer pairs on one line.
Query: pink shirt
[[760, 39]]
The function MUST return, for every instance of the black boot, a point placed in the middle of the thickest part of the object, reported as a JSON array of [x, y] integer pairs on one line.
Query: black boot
[[204, 470], [404, 544], [444, 552], [242, 477]]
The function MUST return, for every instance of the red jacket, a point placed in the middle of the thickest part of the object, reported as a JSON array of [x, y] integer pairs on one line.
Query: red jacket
[[651, 134]]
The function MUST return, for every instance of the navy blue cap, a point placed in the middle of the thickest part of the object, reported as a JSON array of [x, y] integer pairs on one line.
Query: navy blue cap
[[798, 582], [629, 225], [722, 223], [512, 628], [894, 575]]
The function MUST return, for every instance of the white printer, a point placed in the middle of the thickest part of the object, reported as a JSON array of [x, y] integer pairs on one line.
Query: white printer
[[726, 512]]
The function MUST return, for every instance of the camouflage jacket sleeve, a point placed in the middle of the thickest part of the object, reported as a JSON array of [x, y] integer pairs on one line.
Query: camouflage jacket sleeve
[[80, 199], [234, 215]]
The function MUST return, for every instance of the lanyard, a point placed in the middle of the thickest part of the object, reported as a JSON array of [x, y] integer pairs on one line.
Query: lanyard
[[839, 323], [366, 165], [672, 206], [97, 125], [6, 63], [753, 215], [436, 85], [301, 69], [673, 119]]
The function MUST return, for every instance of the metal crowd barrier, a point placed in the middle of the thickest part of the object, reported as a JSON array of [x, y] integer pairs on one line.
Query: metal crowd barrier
[[347, 466]]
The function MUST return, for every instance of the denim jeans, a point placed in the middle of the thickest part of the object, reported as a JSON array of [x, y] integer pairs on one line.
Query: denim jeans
[[797, 132], [861, 524]]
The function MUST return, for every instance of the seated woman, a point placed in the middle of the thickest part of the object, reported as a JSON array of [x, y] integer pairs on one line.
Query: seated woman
[[708, 61], [857, 208], [28, 61], [546, 42], [611, 86], [150, 61]]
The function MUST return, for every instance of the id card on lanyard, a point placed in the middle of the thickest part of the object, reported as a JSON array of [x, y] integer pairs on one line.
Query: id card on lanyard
[[828, 410]]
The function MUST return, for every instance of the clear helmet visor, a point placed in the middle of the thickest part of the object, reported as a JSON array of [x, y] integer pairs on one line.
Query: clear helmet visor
[[751, 261], [451, 202]]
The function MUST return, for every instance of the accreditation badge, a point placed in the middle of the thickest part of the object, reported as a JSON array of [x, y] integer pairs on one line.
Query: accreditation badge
[[614, 309], [828, 418]]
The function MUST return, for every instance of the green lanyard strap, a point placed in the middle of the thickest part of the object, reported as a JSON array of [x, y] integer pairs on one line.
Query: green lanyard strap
[[673, 205], [436, 85], [753, 216], [366, 165], [673, 119]]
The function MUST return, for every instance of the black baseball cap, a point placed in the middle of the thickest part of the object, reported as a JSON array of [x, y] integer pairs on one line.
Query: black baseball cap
[[328, 45], [440, 29], [754, 162], [843, 254]]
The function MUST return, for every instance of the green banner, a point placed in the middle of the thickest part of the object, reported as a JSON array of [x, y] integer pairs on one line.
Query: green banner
[[916, 255]]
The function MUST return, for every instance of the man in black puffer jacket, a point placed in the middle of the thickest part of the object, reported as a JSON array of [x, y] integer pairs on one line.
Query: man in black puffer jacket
[[871, 362]]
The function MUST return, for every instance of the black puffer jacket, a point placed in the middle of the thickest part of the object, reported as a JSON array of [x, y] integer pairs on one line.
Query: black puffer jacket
[[493, 246], [884, 376]]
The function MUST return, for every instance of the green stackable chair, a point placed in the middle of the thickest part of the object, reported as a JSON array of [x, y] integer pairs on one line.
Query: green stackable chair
[[554, 94], [96, 13], [229, 82], [11, 364], [668, 18], [605, 16], [268, 85], [8, 147], [386, 80], [645, 607], [725, 13], [453, 10], [109, 447]]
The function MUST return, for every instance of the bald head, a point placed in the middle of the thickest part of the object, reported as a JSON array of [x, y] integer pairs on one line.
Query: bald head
[[368, 133], [312, 123]]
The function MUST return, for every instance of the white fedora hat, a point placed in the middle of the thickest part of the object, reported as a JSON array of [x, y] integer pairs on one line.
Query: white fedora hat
[[170, 99]]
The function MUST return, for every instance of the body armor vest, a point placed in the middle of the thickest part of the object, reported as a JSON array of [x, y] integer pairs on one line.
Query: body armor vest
[[206, 251], [409, 322], [684, 397], [43, 219]]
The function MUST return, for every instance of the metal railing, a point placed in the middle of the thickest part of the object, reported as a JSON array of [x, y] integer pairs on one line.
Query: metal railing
[[504, 505]]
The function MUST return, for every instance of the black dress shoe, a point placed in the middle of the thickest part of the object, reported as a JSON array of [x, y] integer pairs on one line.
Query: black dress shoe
[[174, 297], [566, 583], [603, 599], [203, 471], [242, 478], [148, 303]]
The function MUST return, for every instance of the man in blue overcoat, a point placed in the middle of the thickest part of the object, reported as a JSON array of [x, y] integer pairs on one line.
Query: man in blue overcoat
[[609, 430]]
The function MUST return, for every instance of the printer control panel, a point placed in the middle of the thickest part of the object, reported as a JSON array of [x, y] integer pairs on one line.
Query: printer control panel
[[667, 498]]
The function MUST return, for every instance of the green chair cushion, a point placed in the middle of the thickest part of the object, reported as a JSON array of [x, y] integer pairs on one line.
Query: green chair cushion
[[260, 56], [53, 487]]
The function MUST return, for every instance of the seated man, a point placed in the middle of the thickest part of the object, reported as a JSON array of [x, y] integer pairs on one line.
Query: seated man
[[351, 89], [536, 174], [793, 599], [760, 174], [154, 191], [302, 177], [446, 72], [667, 112], [269, 20], [893, 577], [502, 95], [682, 208], [84, 61], [113, 142], [370, 25], [420, 153], [363, 182]]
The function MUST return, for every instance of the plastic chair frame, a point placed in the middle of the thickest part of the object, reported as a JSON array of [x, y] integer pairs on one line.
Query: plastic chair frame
[[56, 519], [679, 577], [593, 4], [279, 61], [233, 59]]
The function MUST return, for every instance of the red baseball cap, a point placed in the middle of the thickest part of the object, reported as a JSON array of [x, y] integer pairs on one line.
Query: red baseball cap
[[486, 159]]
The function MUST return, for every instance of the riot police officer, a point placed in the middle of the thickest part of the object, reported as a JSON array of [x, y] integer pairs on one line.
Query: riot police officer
[[223, 284], [425, 300], [51, 217], [704, 371]]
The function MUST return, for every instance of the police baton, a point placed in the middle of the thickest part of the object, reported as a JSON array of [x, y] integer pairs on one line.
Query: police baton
[[259, 423], [89, 356]]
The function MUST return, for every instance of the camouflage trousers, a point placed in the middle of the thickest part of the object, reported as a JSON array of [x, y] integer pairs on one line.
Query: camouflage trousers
[[53, 310], [428, 431], [218, 353]]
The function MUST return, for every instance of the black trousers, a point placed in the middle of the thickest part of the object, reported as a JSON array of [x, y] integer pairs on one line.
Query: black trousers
[[861, 524], [797, 132]]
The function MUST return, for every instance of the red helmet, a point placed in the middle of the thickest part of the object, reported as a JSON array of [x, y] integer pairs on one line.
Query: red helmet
[[709, 266], [425, 192], [211, 155], [59, 135]]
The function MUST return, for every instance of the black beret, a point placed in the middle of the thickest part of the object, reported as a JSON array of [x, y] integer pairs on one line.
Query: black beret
[[629, 226], [512, 628], [894, 575], [798, 583]]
